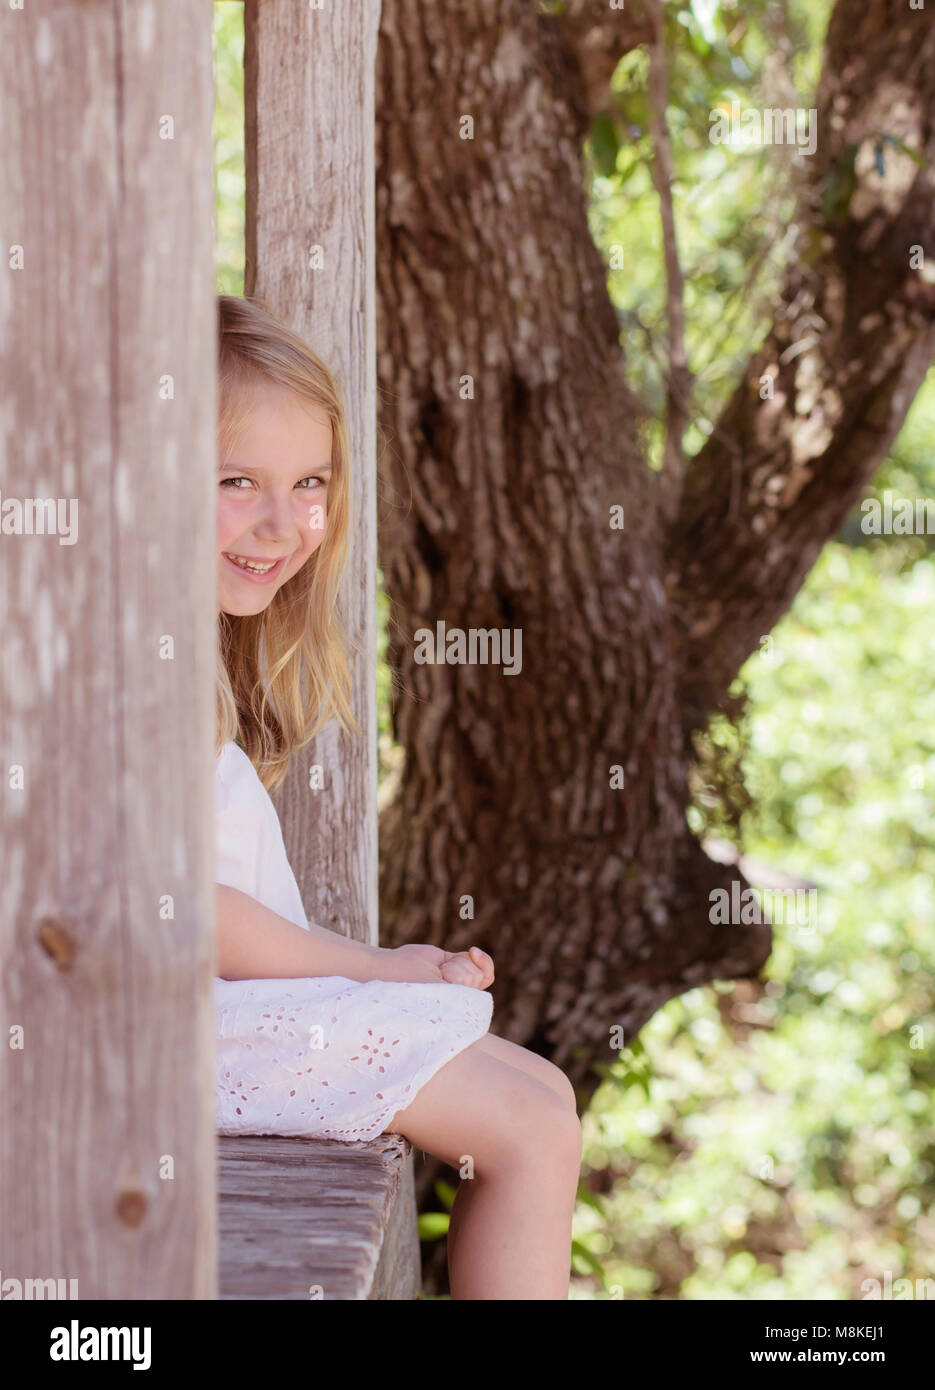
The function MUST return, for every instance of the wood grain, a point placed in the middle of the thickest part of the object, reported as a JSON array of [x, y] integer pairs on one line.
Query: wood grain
[[309, 171], [107, 352], [317, 1219], [296, 1213]]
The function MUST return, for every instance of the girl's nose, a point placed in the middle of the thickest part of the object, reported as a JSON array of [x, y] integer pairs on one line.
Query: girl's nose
[[277, 522]]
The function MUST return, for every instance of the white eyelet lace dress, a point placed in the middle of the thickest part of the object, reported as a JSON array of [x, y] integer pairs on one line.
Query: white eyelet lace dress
[[328, 1056]]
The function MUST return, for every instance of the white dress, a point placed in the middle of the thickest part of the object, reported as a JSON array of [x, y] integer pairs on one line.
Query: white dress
[[328, 1056]]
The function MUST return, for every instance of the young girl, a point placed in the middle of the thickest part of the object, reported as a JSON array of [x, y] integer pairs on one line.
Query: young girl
[[319, 1034]]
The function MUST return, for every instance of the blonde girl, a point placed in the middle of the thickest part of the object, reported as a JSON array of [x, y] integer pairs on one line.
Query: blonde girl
[[320, 1035]]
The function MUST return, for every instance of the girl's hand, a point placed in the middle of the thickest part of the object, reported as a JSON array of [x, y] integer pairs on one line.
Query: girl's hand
[[412, 964], [417, 963], [473, 968]]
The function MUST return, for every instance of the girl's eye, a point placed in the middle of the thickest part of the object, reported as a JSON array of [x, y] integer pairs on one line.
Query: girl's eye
[[314, 479]]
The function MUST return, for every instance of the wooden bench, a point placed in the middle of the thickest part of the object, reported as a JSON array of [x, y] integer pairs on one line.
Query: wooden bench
[[303, 1218]]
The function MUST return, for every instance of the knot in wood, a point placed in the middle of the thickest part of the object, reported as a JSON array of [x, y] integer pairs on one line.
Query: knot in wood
[[131, 1207], [58, 941]]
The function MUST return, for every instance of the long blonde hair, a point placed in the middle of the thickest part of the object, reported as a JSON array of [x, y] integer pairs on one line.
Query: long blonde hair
[[283, 673]]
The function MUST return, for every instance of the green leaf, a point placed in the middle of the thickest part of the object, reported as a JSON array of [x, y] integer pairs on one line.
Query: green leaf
[[445, 1193], [635, 164], [433, 1225], [581, 1252], [590, 1199], [634, 111], [642, 1084], [605, 143]]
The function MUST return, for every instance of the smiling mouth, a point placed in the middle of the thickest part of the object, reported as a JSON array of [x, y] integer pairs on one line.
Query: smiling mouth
[[256, 569]]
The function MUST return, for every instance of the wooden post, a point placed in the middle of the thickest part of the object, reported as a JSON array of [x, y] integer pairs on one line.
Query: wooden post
[[108, 358], [309, 115]]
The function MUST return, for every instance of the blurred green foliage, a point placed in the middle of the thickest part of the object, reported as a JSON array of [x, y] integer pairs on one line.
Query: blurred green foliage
[[785, 1146], [733, 207], [772, 1139], [229, 180]]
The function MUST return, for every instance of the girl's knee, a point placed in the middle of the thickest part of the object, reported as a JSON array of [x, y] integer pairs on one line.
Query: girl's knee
[[535, 1064], [544, 1129], [501, 1116], [571, 1138], [564, 1087]]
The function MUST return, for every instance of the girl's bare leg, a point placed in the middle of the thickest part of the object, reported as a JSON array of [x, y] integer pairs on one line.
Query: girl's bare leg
[[534, 1065], [511, 1221], [531, 1062]]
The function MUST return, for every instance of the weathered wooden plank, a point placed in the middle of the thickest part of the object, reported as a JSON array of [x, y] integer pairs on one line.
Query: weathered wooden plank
[[313, 1218], [309, 111], [107, 352], [399, 1273]]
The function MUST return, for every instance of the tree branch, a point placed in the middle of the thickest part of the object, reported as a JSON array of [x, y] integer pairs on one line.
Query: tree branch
[[596, 38], [851, 342], [678, 379]]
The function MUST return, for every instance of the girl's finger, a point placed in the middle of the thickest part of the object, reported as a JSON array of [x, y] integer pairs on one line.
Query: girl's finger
[[459, 973], [484, 962]]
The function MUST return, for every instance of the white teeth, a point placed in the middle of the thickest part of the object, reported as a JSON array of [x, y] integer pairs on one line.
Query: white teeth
[[248, 564]]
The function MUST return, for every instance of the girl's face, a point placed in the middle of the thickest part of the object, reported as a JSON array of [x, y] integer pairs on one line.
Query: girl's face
[[272, 500]]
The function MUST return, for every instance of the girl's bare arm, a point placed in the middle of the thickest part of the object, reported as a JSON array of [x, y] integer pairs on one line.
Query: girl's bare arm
[[254, 943]]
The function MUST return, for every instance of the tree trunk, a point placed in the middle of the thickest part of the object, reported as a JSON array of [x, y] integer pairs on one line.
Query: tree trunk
[[511, 436]]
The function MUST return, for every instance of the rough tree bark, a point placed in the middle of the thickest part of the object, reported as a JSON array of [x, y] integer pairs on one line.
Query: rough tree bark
[[496, 507]]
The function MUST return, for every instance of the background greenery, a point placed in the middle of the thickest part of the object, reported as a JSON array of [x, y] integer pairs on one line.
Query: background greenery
[[771, 1140]]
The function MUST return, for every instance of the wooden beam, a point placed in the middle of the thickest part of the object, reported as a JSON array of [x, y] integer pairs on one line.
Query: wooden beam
[[108, 355], [317, 1219], [309, 112]]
